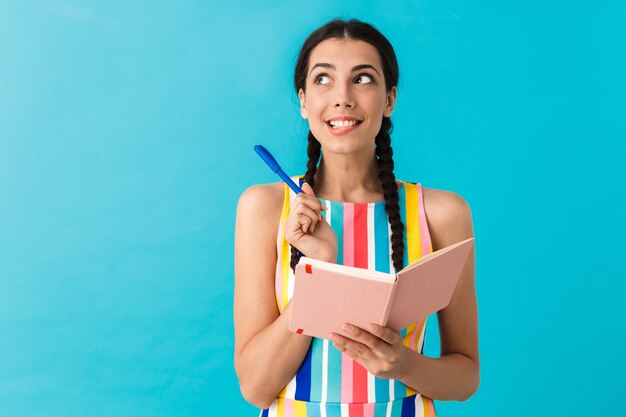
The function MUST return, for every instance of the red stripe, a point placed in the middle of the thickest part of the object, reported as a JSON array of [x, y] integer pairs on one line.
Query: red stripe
[[359, 373], [355, 410], [359, 383], [360, 235]]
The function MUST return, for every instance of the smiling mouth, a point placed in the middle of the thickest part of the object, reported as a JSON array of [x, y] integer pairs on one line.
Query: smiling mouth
[[338, 124]]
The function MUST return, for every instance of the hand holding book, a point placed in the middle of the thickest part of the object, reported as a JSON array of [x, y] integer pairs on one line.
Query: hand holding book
[[379, 349]]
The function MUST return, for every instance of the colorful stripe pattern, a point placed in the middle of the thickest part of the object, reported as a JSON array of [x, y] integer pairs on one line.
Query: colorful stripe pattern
[[330, 383]]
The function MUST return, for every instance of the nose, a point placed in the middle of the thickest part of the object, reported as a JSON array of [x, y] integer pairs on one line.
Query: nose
[[344, 96]]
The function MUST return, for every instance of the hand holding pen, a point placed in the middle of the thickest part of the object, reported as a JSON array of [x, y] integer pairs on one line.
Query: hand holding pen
[[305, 228]]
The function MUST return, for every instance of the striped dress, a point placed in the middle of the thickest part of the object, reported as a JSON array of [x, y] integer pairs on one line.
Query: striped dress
[[329, 383]]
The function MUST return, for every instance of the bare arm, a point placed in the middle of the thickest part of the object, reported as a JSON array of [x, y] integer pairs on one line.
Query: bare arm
[[455, 375], [267, 354]]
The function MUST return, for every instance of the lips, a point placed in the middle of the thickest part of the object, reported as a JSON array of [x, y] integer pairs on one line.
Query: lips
[[342, 126], [342, 123]]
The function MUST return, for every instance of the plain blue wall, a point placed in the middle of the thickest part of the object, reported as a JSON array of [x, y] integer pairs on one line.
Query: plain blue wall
[[126, 135]]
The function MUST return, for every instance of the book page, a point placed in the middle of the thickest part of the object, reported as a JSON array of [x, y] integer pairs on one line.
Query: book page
[[435, 254], [360, 272]]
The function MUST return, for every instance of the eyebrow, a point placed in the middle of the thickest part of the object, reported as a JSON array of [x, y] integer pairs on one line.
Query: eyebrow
[[332, 67]]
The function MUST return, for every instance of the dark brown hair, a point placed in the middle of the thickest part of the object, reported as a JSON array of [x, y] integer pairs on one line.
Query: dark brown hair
[[357, 30]]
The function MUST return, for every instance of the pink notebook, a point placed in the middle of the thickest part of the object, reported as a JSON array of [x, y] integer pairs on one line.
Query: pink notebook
[[326, 295]]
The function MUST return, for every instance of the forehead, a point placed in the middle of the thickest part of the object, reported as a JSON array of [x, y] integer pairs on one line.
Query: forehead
[[345, 52]]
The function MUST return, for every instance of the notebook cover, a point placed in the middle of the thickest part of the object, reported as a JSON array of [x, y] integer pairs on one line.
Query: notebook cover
[[428, 287], [323, 300]]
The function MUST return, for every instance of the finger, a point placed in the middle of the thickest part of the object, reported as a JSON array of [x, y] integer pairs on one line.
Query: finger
[[368, 339], [307, 189], [305, 218], [309, 195], [311, 208], [304, 221], [384, 333], [353, 355], [351, 347], [307, 211], [313, 203], [348, 352]]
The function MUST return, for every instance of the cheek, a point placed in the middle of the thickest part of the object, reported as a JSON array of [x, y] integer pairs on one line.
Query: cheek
[[315, 111], [375, 126], [314, 106], [376, 104]]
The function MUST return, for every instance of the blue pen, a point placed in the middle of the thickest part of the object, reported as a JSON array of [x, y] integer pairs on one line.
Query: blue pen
[[271, 162]]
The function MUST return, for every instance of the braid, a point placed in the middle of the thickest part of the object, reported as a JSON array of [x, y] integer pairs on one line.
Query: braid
[[313, 151], [390, 190]]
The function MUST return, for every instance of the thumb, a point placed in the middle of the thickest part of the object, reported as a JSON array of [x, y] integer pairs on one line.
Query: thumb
[[307, 189]]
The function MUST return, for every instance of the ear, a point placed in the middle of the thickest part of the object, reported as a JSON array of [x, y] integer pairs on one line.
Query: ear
[[303, 110], [391, 101]]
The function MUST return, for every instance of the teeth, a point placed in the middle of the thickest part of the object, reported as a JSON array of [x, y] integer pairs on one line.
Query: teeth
[[342, 123]]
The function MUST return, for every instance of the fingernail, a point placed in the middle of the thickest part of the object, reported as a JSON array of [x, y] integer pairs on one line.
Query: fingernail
[[324, 207], [347, 327], [372, 327]]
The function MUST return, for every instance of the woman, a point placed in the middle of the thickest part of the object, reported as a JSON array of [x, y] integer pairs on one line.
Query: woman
[[352, 212]]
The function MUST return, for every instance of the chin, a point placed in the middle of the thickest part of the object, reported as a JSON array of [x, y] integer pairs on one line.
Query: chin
[[343, 148], [345, 144]]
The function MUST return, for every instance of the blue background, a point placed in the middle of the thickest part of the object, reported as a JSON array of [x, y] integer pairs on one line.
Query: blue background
[[126, 135]]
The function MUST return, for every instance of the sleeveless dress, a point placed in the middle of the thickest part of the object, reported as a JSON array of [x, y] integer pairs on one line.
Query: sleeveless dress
[[330, 383]]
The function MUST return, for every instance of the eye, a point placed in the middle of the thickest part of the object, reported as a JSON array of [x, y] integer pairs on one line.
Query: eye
[[322, 79], [364, 79]]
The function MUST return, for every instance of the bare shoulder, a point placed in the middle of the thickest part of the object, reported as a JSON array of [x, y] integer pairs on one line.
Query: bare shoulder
[[448, 215], [263, 201], [266, 194]]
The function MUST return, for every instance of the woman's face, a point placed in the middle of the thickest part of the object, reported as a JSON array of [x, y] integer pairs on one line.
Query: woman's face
[[345, 97]]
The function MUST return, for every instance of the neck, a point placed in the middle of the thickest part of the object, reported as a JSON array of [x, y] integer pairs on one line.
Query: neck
[[349, 178]]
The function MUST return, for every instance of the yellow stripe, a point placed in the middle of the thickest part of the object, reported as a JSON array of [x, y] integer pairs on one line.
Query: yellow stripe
[[414, 251], [285, 253], [407, 338], [280, 407], [412, 223], [407, 342], [299, 408], [426, 407], [420, 196]]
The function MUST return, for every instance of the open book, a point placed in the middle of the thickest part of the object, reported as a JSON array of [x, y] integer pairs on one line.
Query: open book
[[326, 295]]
